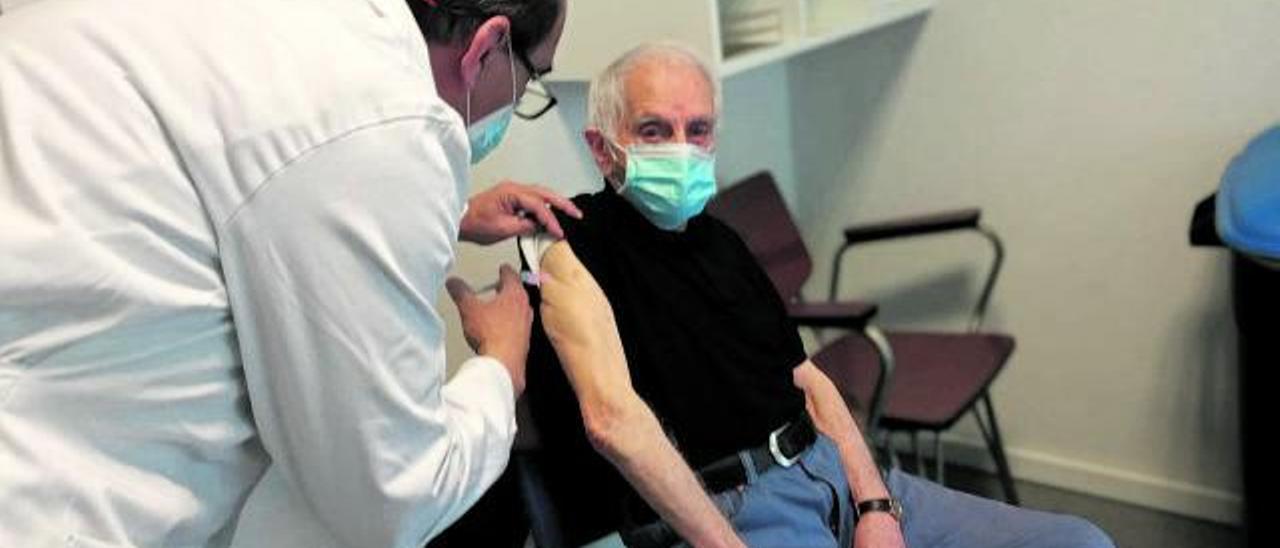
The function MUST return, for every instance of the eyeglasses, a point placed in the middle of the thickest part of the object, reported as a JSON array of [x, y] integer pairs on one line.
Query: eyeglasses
[[537, 99]]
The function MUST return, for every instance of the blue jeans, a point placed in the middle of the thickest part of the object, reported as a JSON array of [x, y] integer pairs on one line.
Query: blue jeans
[[808, 505]]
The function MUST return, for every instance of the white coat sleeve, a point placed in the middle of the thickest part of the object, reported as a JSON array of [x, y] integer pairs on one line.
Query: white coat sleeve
[[333, 266]]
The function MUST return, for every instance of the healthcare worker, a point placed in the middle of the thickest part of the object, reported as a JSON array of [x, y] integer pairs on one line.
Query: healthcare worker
[[223, 227]]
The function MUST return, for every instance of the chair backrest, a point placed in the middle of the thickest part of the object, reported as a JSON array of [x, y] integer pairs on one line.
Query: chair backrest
[[754, 208]]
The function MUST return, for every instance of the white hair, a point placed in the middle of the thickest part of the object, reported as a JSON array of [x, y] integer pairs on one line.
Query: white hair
[[607, 101]]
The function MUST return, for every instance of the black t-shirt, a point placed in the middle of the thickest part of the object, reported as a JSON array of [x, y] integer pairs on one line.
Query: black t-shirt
[[707, 339]]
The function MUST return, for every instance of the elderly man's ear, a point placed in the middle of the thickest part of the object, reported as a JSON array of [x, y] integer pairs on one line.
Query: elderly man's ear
[[599, 149], [605, 156]]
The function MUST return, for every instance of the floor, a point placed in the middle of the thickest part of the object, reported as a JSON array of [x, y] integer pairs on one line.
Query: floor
[[1129, 526]]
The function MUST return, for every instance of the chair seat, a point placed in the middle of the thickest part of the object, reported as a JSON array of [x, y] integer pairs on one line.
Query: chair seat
[[937, 377]]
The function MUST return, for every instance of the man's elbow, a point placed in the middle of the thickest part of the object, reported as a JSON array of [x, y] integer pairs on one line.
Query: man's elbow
[[613, 426]]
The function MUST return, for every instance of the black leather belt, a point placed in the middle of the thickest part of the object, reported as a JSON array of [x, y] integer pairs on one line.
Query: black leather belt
[[783, 448]]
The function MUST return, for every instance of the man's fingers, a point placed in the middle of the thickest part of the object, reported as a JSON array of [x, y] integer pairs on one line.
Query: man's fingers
[[548, 196], [510, 287], [459, 291], [559, 202], [533, 204], [519, 226], [507, 278]]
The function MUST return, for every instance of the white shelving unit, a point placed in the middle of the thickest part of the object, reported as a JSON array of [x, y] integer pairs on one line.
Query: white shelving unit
[[735, 35]]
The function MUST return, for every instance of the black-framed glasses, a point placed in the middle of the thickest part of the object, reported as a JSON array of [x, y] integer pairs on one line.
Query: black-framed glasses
[[537, 99]]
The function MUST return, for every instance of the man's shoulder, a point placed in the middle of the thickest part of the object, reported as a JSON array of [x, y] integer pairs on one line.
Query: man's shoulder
[[719, 231], [593, 213], [717, 226]]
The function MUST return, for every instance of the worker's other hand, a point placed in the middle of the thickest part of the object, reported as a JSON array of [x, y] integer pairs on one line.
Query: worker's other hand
[[580, 325], [513, 209], [498, 327]]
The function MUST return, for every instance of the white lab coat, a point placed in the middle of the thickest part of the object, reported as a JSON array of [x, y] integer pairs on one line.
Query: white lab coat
[[223, 227]]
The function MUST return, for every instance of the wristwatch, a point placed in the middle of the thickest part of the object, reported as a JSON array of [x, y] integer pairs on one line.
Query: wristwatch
[[890, 506]]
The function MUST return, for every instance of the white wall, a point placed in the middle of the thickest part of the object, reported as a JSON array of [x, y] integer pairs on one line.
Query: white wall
[[1086, 130]]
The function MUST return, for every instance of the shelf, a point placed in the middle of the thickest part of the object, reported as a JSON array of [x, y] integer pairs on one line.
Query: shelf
[[880, 16], [598, 31]]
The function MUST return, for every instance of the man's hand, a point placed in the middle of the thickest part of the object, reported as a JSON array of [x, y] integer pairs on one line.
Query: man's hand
[[832, 418], [878, 530], [498, 328], [513, 209]]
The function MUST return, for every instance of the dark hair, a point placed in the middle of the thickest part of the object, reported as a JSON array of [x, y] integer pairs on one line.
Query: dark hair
[[450, 21]]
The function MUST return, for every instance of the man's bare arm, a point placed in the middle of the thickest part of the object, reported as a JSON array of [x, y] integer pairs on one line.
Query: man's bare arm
[[580, 324], [832, 418]]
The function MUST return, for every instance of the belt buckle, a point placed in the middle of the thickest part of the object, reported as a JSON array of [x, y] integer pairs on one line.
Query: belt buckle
[[776, 451]]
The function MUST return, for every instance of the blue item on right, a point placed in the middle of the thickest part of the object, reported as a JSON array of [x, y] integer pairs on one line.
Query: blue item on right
[[1248, 216]]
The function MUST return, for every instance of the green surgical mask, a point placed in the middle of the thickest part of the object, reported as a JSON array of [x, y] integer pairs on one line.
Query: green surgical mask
[[486, 133], [669, 183]]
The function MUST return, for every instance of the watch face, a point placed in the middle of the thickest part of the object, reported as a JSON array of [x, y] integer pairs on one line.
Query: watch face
[[889, 506]]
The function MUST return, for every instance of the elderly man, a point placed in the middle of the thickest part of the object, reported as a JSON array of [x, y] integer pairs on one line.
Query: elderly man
[[712, 354]]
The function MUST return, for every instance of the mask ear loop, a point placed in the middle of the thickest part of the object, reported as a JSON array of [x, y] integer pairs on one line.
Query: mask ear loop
[[469, 106], [615, 152], [511, 56]]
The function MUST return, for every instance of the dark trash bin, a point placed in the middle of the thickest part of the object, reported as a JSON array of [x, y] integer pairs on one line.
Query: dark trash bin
[[1245, 216]]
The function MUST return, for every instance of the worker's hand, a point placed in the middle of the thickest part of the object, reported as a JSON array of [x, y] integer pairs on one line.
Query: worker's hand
[[878, 530], [580, 325], [499, 327], [513, 209]]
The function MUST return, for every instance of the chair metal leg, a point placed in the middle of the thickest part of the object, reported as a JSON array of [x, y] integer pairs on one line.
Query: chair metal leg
[[996, 445], [915, 448], [884, 352], [940, 462], [893, 454], [878, 442]]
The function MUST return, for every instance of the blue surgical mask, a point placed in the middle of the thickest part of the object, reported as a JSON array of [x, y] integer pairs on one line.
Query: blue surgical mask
[[486, 133], [669, 183]]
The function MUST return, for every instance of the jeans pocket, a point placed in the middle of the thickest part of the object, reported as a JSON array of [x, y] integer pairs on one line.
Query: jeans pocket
[[728, 502], [828, 491]]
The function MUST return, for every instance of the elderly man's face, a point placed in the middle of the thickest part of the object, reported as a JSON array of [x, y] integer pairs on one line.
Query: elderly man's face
[[667, 101]]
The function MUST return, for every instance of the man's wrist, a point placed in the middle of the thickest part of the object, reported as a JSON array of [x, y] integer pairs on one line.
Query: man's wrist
[[870, 494], [887, 507], [509, 363], [867, 484], [467, 231]]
